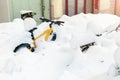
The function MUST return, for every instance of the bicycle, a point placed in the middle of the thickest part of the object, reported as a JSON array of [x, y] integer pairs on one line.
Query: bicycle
[[47, 33]]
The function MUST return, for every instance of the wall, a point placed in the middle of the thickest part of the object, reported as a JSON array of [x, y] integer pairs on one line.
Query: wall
[[72, 9], [71, 5], [57, 8], [4, 11], [88, 6], [107, 6], [117, 11], [80, 6], [34, 5], [47, 8]]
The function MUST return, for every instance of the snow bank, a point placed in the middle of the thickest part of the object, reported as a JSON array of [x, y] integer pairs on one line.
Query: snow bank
[[100, 23], [62, 59]]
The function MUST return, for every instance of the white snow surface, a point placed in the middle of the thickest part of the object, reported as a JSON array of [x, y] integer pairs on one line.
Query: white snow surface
[[25, 11], [62, 59]]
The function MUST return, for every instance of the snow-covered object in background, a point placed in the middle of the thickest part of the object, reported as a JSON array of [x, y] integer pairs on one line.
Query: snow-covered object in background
[[29, 23], [25, 11], [27, 14]]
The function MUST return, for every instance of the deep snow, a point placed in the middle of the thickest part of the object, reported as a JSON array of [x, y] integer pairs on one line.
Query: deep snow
[[62, 59]]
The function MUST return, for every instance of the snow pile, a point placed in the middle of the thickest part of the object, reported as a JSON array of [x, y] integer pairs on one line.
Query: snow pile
[[29, 23], [100, 23], [62, 59], [25, 11]]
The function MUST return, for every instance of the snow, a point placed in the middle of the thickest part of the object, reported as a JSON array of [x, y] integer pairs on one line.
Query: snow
[[62, 59], [29, 23], [25, 11]]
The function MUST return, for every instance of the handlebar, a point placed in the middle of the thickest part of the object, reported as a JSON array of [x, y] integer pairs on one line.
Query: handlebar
[[51, 21]]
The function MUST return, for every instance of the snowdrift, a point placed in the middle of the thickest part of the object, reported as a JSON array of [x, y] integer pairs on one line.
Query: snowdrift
[[62, 59]]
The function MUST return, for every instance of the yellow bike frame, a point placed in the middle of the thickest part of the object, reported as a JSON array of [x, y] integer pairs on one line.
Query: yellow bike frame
[[47, 33]]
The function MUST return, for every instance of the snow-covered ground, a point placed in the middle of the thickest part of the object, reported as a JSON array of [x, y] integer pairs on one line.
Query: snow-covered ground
[[62, 59]]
